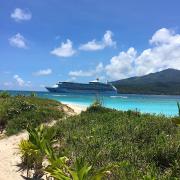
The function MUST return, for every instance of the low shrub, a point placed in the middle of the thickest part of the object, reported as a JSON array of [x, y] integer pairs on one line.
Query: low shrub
[[16, 113], [148, 144], [33, 94], [4, 94], [39, 147]]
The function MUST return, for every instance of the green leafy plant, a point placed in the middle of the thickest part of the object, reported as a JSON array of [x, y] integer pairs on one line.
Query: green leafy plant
[[34, 150], [33, 94], [60, 169], [98, 100], [31, 158], [176, 119], [178, 105], [4, 94], [133, 113], [39, 147]]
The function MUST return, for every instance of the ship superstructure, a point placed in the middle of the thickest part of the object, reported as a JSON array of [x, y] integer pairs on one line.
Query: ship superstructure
[[93, 87]]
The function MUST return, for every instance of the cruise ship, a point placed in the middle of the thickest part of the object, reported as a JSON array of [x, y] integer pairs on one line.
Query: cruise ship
[[93, 87]]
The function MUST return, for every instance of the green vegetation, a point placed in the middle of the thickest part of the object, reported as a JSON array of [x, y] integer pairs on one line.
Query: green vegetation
[[34, 150], [33, 94], [148, 146], [178, 105], [176, 119], [17, 112], [167, 88], [163, 82], [100, 143], [40, 147], [98, 100], [4, 94], [105, 144]]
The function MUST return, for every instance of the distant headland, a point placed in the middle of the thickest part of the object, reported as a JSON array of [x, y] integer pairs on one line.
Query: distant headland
[[166, 82]]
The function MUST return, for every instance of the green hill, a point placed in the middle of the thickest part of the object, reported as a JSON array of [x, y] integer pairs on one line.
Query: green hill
[[163, 82]]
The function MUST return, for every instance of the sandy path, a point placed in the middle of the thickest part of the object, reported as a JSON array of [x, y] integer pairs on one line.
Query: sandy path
[[9, 156]]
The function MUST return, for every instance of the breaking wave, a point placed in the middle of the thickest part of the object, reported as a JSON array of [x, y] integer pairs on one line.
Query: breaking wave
[[59, 95], [124, 97]]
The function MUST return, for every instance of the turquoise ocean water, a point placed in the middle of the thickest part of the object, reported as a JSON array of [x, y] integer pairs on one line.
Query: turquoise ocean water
[[159, 104]]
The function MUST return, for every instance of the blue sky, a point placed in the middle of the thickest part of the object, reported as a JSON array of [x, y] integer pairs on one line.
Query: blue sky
[[46, 41]]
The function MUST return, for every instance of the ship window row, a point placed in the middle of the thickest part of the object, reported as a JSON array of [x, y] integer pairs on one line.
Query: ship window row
[[87, 88], [69, 86]]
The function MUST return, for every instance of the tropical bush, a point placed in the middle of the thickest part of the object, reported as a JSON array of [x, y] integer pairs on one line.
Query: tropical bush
[[98, 101], [40, 147], [148, 146], [34, 150], [4, 94], [33, 94], [178, 105], [17, 112], [176, 119]]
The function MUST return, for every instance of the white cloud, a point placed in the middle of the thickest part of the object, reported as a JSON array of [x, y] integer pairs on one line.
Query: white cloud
[[19, 80], [71, 79], [121, 66], [99, 68], [164, 53], [8, 84], [107, 39], [28, 84], [42, 86], [81, 73], [18, 41], [92, 46], [65, 49], [21, 15], [43, 72], [163, 36], [95, 45], [6, 72]]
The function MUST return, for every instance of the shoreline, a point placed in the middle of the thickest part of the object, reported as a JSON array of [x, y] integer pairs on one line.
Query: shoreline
[[76, 107], [153, 104]]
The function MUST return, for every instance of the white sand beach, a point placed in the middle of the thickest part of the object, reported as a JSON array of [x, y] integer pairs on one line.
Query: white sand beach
[[76, 107], [9, 155]]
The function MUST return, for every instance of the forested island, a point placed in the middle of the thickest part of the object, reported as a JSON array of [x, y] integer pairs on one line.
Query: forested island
[[166, 82]]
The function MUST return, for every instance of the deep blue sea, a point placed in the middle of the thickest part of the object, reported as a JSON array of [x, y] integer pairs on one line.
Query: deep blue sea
[[159, 104]]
